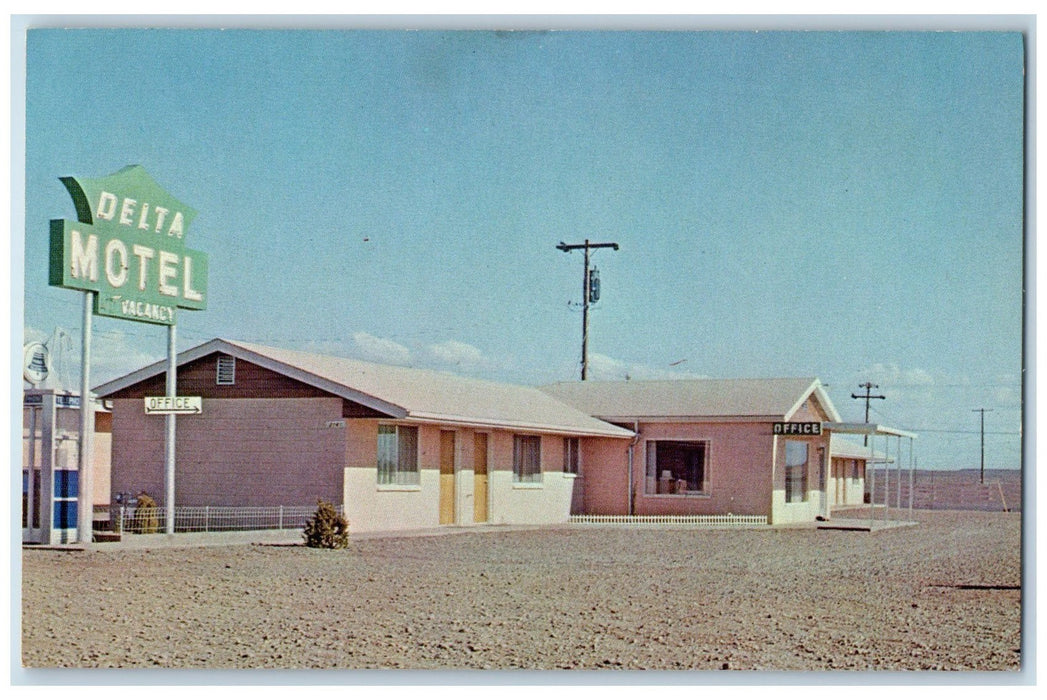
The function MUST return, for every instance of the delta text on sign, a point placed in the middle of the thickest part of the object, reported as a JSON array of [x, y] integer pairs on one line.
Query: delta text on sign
[[128, 246]]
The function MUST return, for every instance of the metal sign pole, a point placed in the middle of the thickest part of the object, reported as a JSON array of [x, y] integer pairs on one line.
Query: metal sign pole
[[169, 457], [85, 501]]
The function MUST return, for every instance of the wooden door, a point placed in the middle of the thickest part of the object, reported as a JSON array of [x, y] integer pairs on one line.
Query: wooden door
[[480, 478], [447, 511]]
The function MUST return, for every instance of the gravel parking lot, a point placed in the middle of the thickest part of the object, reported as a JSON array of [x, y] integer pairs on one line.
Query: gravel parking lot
[[944, 594]]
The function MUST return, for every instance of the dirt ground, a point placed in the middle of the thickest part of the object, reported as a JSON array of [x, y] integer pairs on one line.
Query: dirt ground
[[944, 594]]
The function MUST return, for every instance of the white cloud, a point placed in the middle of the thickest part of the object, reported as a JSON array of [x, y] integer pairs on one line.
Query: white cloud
[[892, 374], [114, 354], [334, 348], [454, 352], [608, 368], [381, 349]]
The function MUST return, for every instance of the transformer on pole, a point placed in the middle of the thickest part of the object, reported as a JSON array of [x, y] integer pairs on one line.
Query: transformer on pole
[[590, 292]]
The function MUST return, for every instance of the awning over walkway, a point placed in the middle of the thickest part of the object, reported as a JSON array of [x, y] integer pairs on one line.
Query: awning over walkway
[[867, 429], [898, 457]]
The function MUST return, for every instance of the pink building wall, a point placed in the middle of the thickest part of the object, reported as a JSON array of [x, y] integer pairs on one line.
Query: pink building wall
[[605, 476], [239, 452], [739, 465]]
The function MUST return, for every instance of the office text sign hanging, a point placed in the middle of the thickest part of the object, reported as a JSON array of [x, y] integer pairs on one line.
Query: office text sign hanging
[[791, 428], [128, 245]]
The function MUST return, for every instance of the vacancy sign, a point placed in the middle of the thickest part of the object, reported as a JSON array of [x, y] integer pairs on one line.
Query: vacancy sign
[[173, 405], [128, 246]]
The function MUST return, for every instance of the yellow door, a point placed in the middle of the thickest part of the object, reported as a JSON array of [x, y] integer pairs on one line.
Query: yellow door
[[480, 478], [447, 477]]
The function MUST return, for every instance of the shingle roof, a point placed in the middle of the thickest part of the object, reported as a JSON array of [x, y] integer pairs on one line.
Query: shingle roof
[[405, 392], [691, 398]]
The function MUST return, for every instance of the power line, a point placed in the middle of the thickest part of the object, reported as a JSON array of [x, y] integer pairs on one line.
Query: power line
[[868, 386]]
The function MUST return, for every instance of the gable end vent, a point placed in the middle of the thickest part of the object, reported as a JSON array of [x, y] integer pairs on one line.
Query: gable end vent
[[226, 370]]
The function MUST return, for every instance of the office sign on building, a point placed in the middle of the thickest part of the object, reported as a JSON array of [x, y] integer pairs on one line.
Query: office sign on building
[[174, 405], [128, 246], [797, 428]]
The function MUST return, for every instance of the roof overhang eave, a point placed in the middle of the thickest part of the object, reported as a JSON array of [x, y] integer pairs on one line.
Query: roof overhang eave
[[690, 419], [484, 423]]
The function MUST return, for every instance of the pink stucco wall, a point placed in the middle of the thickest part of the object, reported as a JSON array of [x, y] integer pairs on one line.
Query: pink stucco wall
[[738, 464], [239, 452], [739, 471], [604, 476]]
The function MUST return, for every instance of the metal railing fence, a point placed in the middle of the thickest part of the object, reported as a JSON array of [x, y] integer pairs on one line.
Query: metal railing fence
[[134, 520]]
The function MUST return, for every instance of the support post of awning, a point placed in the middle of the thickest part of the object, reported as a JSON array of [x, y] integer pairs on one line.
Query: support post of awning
[[874, 430]]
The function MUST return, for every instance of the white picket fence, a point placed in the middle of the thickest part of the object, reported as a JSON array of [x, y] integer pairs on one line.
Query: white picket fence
[[725, 520]]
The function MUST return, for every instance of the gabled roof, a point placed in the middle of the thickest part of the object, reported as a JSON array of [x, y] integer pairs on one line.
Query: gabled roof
[[403, 392], [773, 399]]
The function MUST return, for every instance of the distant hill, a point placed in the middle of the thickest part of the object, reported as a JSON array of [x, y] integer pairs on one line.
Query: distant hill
[[953, 490]]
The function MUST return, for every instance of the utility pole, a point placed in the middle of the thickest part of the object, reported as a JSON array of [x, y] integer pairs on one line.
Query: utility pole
[[868, 386], [587, 294], [982, 411]]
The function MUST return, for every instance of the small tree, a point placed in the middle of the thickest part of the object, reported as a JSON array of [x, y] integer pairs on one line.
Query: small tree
[[326, 529], [146, 517]]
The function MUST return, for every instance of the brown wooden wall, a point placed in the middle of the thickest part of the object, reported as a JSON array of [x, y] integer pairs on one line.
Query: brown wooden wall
[[199, 378]]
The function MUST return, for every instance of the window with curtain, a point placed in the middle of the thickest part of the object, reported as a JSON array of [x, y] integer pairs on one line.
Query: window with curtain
[[398, 454], [527, 464], [570, 455]]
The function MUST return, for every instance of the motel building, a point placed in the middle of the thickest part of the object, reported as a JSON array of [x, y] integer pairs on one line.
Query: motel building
[[398, 448], [754, 447], [401, 448]]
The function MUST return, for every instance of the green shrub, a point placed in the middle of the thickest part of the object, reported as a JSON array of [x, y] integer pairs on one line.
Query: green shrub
[[326, 529], [146, 518]]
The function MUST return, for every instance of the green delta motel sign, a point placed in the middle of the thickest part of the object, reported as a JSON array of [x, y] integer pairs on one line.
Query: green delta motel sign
[[128, 246], [126, 252]]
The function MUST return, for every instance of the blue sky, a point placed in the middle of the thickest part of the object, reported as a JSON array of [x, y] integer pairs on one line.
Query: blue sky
[[846, 205]]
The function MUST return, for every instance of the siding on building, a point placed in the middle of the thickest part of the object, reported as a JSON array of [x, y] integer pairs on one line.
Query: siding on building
[[239, 452]]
